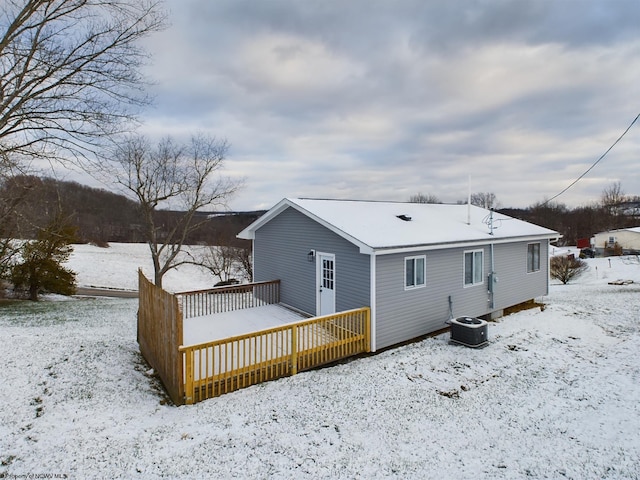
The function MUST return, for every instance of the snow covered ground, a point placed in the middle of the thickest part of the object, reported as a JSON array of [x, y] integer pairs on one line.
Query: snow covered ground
[[117, 267], [556, 394]]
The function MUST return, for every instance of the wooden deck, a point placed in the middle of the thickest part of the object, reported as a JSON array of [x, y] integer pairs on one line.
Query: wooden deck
[[207, 328], [192, 373], [222, 366]]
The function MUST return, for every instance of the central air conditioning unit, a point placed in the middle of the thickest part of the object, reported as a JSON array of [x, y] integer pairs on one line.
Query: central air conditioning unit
[[469, 331]]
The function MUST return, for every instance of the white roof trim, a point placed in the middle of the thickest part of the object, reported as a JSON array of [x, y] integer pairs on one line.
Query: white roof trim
[[475, 243], [249, 232], [394, 244]]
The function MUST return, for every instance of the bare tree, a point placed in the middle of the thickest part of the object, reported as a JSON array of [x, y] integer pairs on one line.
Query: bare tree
[[613, 195], [13, 194], [424, 198], [244, 261], [566, 268], [485, 200], [70, 74], [69, 80], [612, 199], [220, 261], [224, 261], [184, 177]]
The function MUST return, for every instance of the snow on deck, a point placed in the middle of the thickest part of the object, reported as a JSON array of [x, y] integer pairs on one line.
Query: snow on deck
[[217, 326]]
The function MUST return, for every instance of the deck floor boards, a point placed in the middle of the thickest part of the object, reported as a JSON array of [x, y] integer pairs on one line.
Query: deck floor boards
[[217, 326]]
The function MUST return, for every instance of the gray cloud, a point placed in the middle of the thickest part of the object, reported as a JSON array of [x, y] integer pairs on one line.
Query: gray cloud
[[379, 99]]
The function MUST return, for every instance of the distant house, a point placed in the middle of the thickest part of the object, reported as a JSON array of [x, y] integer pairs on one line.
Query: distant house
[[627, 240], [415, 265]]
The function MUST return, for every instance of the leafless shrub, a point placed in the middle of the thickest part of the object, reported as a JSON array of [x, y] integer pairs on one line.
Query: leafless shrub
[[224, 262], [567, 268]]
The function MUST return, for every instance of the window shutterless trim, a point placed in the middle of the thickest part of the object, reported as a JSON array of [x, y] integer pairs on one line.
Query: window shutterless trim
[[533, 257], [477, 276], [415, 276]]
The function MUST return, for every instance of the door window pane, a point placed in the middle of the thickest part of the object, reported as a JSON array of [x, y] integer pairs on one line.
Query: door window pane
[[327, 274]]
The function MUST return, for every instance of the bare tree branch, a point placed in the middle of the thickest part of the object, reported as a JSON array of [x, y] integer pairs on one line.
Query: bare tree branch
[[424, 198], [186, 177], [485, 200], [70, 74]]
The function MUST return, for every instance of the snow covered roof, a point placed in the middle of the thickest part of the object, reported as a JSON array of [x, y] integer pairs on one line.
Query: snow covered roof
[[632, 230], [390, 226]]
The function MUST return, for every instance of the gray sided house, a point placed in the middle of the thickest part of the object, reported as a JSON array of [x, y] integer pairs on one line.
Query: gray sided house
[[414, 264]]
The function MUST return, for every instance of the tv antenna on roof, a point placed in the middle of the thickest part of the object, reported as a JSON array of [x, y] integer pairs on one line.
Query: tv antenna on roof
[[490, 222]]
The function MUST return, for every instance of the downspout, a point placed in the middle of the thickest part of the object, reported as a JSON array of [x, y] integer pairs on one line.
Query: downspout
[[372, 296], [549, 266], [448, 321], [492, 279]]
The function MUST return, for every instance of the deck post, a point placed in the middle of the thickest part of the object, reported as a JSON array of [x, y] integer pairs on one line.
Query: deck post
[[294, 350], [232, 363], [188, 387], [367, 322]]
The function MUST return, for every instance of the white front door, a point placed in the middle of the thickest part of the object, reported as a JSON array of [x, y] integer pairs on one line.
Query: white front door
[[326, 283]]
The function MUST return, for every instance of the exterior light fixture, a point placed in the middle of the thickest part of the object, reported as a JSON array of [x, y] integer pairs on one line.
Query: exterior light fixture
[[311, 255]]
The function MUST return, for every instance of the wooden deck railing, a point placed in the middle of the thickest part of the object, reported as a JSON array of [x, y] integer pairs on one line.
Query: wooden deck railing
[[227, 299], [160, 334], [196, 372], [221, 366]]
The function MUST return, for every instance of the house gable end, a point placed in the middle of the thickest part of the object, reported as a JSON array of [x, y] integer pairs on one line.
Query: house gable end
[[281, 251], [249, 232]]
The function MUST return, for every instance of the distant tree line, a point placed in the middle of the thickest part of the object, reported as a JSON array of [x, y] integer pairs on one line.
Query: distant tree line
[[613, 210], [101, 216]]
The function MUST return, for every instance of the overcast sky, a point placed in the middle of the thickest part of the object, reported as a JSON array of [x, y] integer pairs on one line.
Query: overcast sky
[[367, 99]]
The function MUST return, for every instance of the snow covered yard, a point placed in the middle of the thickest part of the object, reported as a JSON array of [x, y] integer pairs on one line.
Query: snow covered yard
[[117, 267], [556, 394]]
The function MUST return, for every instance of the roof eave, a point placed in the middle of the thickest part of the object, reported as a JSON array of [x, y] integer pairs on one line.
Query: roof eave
[[388, 250], [249, 232]]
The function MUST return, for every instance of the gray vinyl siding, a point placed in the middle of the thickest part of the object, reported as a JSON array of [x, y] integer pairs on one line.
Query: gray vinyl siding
[[405, 314], [515, 285], [280, 252]]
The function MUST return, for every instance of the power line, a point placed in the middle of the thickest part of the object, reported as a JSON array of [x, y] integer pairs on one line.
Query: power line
[[594, 163]]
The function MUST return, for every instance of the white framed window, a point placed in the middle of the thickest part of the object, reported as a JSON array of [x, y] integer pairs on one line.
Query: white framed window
[[415, 271], [533, 257], [473, 267]]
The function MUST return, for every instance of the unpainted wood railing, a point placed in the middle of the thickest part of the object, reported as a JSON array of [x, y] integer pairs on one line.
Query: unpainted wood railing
[[221, 366], [160, 334], [227, 299]]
